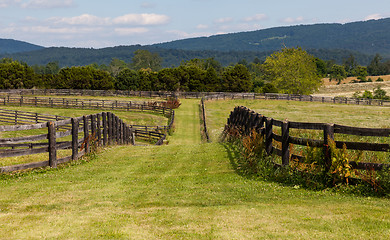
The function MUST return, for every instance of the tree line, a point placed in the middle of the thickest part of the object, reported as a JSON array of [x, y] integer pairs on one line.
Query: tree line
[[290, 70]]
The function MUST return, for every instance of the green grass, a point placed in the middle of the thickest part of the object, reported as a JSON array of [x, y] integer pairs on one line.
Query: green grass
[[184, 190], [131, 118]]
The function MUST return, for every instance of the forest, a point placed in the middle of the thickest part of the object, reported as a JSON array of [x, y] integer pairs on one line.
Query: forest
[[277, 73]]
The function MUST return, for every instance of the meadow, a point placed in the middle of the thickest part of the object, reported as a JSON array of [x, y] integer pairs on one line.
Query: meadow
[[184, 190]]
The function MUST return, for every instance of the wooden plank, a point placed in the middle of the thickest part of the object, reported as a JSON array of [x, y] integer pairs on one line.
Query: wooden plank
[[24, 166], [18, 153], [364, 146], [368, 166], [22, 127], [306, 141], [375, 132], [307, 126], [23, 139]]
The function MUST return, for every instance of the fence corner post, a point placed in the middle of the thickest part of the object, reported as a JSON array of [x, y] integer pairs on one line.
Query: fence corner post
[[328, 135], [285, 143], [52, 144], [268, 136], [75, 139]]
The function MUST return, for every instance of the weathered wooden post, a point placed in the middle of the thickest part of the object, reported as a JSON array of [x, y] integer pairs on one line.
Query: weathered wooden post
[[285, 143], [268, 135], [52, 144], [98, 129], [109, 127], [75, 138], [328, 136], [86, 133], [105, 128]]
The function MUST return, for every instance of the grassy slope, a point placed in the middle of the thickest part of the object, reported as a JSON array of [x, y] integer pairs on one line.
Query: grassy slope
[[182, 190]]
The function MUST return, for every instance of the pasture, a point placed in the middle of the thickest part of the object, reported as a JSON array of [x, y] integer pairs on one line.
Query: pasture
[[183, 190]]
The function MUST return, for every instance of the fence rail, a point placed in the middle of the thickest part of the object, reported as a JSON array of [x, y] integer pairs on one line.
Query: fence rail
[[206, 95], [154, 106], [100, 129], [246, 120]]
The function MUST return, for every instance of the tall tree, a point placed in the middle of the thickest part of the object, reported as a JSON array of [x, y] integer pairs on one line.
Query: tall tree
[[292, 70], [143, 59]]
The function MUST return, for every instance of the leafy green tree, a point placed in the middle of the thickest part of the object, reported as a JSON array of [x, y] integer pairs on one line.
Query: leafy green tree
[[14, 74], [360, 72], [293, 71], [168, 79], [143, 59], [338, 73], [127, 79], [375, 68], [350, 65], [116, 66], [379, 93], [236, 79]]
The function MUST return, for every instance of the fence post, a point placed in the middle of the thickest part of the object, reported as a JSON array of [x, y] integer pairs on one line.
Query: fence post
[[75, 138], [285, 143], [98, 129], [328, 135], [109, 128], [105, 128], [86, 134], [52, 144], [268, 135]]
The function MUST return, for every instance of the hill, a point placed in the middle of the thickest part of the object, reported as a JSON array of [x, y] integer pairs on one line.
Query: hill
[[369, 37], [325, 41], [14, 46]]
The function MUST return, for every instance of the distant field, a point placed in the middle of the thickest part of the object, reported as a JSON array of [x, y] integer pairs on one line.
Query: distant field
[[347, 89]]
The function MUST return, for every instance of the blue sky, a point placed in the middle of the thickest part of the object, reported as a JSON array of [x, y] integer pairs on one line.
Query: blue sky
[[106, 23]]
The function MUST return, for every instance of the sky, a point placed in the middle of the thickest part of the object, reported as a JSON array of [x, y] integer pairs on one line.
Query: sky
[[108, 23]]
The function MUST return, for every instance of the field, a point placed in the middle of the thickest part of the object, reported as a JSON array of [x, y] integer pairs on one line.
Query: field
[[347, 89], [183, 190]]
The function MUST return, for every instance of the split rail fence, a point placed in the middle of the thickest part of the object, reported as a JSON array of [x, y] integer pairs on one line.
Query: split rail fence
[[207, 95], [100, 129], [246, 120]]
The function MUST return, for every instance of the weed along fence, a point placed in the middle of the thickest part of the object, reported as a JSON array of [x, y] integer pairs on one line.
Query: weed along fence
[[278, 137], [100, 129]]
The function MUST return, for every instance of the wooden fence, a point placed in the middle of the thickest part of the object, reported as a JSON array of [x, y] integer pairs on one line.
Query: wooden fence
[[207, 95], [154, 106], [100, 129], [246, 120], [205, 131]]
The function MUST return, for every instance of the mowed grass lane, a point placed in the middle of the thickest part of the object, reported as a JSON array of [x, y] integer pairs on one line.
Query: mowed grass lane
[[184, 190]]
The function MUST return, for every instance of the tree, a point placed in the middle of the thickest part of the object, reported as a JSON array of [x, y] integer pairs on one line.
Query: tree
[[237, 79], [127, 80], [143, 59], [116, 65], [338, 73], [293, 71]]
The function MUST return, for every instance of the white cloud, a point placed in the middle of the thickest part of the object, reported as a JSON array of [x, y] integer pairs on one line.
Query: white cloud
[[224, 20], [147, 5], [48, 4], [8, 3], [202, 26], [130, 31], [257, 17], [375, 16], [293, 20], [84, 19], [142, 19]]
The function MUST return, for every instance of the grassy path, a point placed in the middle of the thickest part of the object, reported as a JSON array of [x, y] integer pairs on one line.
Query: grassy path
[[185, 190]]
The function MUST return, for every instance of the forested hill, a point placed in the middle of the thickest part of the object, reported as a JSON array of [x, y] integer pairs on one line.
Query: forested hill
[[326, 41], [369, 37], [14, 46]]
